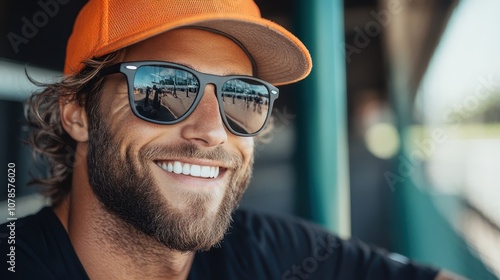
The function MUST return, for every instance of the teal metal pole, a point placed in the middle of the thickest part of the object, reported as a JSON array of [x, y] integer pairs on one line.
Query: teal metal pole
[[324, 189]]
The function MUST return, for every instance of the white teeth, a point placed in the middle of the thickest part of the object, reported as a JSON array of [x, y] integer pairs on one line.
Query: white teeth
[[190, 169], [195, 170], [186, 169], [177, 167], [205, 171]]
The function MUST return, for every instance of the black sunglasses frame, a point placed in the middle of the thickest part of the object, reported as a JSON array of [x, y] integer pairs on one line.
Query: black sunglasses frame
[[129, 70]]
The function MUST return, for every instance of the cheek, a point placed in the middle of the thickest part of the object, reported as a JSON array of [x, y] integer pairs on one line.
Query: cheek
[[114, 107], [127, 131], [245, 146]]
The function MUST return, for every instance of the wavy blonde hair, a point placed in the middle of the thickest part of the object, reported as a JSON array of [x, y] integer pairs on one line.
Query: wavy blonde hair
[[48, 138]]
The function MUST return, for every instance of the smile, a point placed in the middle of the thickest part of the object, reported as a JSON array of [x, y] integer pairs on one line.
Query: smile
[[194, 170]]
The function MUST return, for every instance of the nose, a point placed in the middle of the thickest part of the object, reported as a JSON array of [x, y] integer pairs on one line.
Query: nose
[[204, 126]]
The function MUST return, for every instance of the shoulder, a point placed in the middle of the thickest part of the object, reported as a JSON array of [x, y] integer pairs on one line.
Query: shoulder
[[318, 252], [264, 246], [37, 247], [254, 222], [282, 247], [29, 232], [284, 233]]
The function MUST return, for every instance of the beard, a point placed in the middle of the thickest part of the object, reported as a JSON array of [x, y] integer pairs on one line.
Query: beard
[[127, 190]]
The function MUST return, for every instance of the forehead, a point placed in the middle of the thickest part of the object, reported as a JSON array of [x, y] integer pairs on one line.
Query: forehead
[[198, 49]]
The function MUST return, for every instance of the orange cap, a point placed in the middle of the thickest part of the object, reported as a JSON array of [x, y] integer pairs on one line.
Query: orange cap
[[104, 26]]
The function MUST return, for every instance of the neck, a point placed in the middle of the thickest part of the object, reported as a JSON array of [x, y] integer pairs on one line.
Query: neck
[[109, 248]]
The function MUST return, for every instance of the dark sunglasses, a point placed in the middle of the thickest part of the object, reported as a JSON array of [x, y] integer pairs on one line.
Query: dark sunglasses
[[167, 93]]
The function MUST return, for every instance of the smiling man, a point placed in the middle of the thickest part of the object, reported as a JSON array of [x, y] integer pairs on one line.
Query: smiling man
[[155, 114]]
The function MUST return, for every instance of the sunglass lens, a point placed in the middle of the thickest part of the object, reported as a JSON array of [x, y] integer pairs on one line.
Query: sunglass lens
[[246, 104], [164, 94]]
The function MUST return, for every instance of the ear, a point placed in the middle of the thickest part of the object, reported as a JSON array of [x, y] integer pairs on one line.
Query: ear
[[74, 119]]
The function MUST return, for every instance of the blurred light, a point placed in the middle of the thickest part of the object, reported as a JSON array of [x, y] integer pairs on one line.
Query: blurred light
[[382, 140], [464, 67], [459, 95], [14, 84]]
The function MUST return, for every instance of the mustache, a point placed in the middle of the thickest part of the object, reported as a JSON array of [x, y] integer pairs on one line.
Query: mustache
[[189, 150]]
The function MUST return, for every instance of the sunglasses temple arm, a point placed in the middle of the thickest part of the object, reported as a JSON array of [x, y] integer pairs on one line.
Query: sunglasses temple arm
[[113, 69]]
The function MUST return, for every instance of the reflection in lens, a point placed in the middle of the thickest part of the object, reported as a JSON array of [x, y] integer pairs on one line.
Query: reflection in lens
[[246, 104], [163, 93]]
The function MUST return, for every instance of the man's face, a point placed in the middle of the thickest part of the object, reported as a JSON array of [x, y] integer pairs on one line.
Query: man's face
[[126, 154]]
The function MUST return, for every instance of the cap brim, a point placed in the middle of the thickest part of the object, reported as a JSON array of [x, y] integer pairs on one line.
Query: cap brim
[[280, 57]]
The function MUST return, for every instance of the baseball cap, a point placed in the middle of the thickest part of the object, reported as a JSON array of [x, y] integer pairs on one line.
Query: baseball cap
[[105, 26]]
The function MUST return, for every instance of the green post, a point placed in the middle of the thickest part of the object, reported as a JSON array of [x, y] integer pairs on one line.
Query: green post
[[322, 156]]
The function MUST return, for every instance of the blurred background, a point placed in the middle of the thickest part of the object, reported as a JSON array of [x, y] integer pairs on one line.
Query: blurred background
[[394, 139]]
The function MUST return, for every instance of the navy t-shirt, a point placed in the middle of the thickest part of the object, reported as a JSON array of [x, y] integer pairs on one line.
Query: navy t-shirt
[[256, 246]]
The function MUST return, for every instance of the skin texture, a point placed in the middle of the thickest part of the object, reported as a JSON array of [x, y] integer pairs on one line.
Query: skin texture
[[126, 217]]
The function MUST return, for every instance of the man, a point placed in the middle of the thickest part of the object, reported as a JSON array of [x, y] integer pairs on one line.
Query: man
[[153, 196]]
